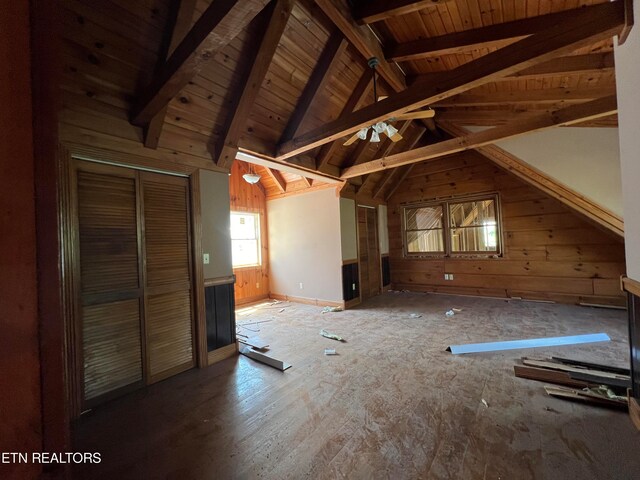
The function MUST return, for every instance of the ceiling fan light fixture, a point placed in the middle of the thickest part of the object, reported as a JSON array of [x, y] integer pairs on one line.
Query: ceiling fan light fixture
[[375, 136], [251, 178], [362, 134], [391, 131], [380, 127]]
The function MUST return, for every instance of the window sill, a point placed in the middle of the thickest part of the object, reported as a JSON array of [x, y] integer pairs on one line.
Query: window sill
[[247, 267]]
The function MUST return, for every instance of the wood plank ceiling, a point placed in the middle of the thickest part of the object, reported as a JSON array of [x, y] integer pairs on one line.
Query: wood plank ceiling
[[310, 74]]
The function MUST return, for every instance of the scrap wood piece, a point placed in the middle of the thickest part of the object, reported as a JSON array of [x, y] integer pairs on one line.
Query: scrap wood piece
[[528, 343], [328, 309], [532, 362], [616, 383], [332, 336], [596, 366], [587, 396], [255, 342], [545, 375], [248, 351]]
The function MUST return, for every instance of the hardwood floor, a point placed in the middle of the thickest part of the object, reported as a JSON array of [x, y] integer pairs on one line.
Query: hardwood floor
[[392, 404]]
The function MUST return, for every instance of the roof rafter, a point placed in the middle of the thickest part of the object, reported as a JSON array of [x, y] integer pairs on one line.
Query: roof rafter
[[329, 59], [566, 195], [376, 10], [182, 15], [585, 27], [460, 42], [218, 25], [565, 116], [277, 178], [275, 18], [547, 95]]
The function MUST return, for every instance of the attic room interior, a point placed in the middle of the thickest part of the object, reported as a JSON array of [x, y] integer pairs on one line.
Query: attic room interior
[[320, 239]]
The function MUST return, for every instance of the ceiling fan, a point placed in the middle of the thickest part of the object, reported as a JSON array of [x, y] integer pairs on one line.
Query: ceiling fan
[[385, 127]]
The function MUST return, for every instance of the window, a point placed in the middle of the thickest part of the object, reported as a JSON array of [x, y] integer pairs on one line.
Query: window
[[245, 239], [472, 227]]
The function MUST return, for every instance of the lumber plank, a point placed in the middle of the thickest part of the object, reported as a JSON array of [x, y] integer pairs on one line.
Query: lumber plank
[[586, 27], [568, 368], [565, 116], [217, 26], [546, 375], [596, 366]]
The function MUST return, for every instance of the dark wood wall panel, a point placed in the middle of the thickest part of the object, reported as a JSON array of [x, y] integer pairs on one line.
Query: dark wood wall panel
[[369, 252], [221, 316], [112, 347], [550, 253], [350, 282]]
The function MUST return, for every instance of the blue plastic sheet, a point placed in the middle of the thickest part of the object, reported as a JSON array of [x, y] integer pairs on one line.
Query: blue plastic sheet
[[528, 343]]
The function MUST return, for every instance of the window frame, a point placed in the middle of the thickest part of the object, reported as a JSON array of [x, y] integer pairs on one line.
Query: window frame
[[445, 203], [258, 238]]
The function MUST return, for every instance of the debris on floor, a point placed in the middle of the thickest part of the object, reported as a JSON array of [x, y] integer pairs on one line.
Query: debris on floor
[[450, 313], [330, 351], [332, 336], [414, 315], [255, 342], [581, 381], [261, 357], [527, 343], [456, 310], [331, 309], [484, 402]]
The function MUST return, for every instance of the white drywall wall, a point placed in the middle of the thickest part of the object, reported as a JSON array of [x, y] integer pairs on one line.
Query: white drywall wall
[[216, 234], [585, 159], [305, 245], [348, 229], [383, 230], [628, 79]]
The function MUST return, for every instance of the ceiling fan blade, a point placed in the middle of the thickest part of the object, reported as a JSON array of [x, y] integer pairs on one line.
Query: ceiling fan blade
[[351, 140], [417, 115], [396, 137]]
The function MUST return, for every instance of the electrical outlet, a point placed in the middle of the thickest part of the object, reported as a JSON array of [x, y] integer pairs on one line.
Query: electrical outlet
[[451, 276], [301, 286], [448, 276], [205, 258], [257, 284], [353, 287]]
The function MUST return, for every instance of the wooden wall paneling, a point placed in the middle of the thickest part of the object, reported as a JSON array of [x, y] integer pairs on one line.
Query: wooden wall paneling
[[368, 253], [168, 275], [180, 19], [275, 17], [550, 253], [198, 272]]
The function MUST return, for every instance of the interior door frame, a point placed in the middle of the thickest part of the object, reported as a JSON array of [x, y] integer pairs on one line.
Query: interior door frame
[[379, 256], [71, 155]]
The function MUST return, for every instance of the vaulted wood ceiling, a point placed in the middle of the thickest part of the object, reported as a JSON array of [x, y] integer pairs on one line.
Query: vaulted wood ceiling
[[277, 79]]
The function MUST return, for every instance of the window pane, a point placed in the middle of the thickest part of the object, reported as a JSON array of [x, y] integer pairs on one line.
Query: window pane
[[425, 241], [243, 226], [423, 218], [244, 252], [470, 214], [475, 239]]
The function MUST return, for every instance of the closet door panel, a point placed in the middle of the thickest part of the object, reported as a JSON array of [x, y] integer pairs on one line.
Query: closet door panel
[[168, 292], [110, 290]]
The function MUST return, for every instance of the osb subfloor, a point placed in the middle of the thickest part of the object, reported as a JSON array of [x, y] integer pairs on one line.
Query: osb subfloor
[[392, 404]]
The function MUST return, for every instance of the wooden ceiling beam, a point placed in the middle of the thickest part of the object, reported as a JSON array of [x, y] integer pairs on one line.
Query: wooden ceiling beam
[[384, 181], [275, 18], [373, 11], [547, 95], [356, 99], [217, 26], [329, 59], [584, 28], [460, 42], [363, 39], [565, 116], [308, 182], [540, 180], [181, 18], [401, 175], [278, 179], [587, 64]]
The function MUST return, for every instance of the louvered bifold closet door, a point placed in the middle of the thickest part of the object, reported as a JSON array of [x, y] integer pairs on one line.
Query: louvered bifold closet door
[[110, 281], [168, 293]]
